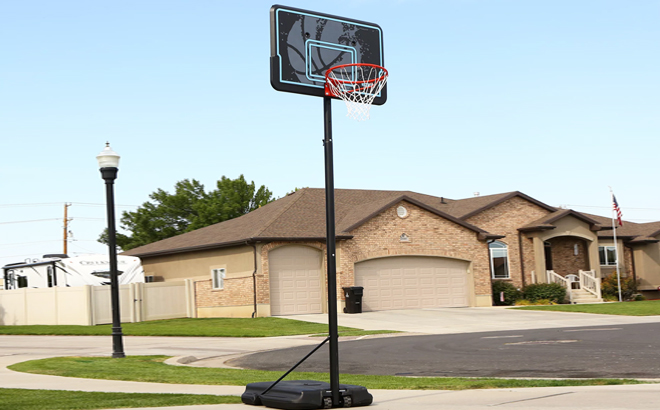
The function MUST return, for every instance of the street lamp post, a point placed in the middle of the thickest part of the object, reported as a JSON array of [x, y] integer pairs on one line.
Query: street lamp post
[[108, 163]]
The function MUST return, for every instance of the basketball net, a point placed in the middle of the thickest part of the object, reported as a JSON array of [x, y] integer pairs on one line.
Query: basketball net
[[357, 85]]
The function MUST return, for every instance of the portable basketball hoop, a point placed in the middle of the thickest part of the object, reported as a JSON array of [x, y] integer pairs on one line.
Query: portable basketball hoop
[[357, 85]]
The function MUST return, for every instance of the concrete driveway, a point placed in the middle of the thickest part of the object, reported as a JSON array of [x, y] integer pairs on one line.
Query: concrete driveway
[[468, 320]]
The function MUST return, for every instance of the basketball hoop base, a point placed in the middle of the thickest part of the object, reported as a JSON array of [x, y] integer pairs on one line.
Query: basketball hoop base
[[304, 394]]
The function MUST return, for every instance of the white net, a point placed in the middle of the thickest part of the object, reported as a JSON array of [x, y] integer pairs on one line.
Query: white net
[[357, 85]]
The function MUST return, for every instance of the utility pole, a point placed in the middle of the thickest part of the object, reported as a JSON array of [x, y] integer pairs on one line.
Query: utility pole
[[66, 228]]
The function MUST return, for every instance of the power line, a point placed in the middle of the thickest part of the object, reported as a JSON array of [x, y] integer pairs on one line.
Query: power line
[[60, 204], [33, 220], [25, 205], [95, 204], [28, 243]]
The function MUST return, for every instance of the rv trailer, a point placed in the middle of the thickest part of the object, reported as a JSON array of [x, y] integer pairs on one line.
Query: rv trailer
[[61, 270]]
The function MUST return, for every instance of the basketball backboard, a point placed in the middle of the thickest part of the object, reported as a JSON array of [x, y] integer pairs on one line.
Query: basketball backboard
[[305, 44]]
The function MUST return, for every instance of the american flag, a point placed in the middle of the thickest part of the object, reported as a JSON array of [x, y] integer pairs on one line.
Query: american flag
[[617, 210]]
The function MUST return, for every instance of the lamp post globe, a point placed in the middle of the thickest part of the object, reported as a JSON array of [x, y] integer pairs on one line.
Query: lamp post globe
[[108, 161], [108, 158]]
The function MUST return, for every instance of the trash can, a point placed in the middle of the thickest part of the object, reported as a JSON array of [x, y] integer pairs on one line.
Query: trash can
[[353, 296]]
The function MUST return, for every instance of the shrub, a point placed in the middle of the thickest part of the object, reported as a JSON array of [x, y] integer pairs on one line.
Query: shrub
[[545, 302], [609, 287], [553, 292], [511, 293], [527, 302]]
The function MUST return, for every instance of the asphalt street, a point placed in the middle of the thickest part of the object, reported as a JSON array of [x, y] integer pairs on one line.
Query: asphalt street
[[508, 331], [621, 351]]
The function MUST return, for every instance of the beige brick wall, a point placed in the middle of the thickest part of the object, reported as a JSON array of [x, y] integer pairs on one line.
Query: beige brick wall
[[505, 219], [428, 234], [236, 292], [564, 260]]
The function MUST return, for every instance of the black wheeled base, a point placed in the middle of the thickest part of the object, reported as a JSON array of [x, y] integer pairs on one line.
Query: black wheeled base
[[304, 394]]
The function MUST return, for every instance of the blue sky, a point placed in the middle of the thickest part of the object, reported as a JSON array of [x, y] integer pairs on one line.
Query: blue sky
[[557, 99]]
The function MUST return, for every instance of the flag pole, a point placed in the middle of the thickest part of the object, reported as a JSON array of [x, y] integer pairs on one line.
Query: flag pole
[[615, 217]]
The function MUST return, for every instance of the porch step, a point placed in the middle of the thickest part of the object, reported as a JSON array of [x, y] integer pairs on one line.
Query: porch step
[[582, 296]]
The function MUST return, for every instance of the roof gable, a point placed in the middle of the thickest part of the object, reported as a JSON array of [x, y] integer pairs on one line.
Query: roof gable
[[548, 221], [422, 205], [469, 207]]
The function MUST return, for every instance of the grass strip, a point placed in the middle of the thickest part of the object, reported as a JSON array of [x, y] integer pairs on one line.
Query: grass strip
[[26, 399], [639, 308], [204, 327], [152, 369]]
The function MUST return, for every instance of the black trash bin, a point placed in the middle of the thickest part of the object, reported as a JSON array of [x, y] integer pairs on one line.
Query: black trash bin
[[353, 296]]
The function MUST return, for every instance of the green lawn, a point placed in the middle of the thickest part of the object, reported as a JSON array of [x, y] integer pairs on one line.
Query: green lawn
[[641, 308], [25, 399], [215, 327], [152, 369]]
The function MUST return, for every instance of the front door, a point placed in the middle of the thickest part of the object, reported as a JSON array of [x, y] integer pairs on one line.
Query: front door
[[548, 255]]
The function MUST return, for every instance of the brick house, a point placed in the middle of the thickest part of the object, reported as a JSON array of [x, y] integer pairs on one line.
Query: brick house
[[408, 250]]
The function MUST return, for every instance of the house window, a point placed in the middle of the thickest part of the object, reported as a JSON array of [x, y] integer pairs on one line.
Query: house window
[[607, 255], [218, 276], [499, 260]]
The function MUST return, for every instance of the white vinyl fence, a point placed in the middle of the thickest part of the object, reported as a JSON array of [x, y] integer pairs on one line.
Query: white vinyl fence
[[90, 305]]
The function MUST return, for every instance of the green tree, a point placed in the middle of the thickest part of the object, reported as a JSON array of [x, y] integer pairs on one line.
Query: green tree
[[190, 207]]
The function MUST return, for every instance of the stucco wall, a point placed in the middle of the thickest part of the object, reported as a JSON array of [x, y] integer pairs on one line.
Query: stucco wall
[[238, 261], [237, 296], [647, 265]]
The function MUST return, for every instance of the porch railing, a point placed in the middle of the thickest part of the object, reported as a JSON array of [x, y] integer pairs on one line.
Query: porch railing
[[590, 283], [554, 277]]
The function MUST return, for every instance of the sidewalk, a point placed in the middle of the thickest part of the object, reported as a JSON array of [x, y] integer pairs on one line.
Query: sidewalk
[[628, 397], [15, 349], [643, 397]]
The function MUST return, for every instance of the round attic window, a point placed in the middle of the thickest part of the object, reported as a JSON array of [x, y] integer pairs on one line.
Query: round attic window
[[402, 212]]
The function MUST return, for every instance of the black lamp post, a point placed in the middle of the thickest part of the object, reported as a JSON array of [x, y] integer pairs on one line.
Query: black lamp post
[[108, 164]]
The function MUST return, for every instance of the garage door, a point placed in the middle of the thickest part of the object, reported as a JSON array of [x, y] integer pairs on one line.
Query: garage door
[[412, 282], [296, 285]]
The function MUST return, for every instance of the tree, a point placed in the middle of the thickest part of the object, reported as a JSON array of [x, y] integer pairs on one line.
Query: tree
[[187, 209]]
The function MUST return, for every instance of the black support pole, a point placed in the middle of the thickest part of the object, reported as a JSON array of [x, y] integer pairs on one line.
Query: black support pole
[[331, 252], [109, 175]]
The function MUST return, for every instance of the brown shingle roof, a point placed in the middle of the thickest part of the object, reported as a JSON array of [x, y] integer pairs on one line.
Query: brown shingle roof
[[630, 231], [300, 215], [233, 231], [547, 221]]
